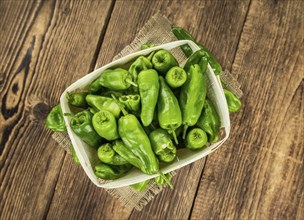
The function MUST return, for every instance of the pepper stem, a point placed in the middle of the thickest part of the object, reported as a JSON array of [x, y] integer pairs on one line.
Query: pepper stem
[[68, 114], [185, 131], [174, 135], [124, 112], [68, 96], [131, 82], [166, 179]]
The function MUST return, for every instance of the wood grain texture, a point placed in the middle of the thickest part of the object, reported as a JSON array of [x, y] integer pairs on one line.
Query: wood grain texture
[[43, 47], [258, 174], [187, 179]]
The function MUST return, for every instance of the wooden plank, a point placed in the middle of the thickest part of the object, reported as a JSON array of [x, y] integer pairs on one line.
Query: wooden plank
[[177, 204], [258, 174], [44, 46], [66, 202]]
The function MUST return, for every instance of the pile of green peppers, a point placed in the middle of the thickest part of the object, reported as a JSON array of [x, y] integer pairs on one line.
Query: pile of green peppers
[[233, 102], [137, 116]]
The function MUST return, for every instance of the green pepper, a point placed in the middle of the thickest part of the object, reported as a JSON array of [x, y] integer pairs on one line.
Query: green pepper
[[135, 138], [146, 46], [141, 186], [192, 96], [93, 110], [182, 34], [196, 138], [169, 112], [137, 145], [162, 145], [131, 102], [148, 85], [163, 60], [103, 103], [120, 148], [216, 67], [74, 155], [233, 102], [176, 77], [81, 125], [141, 63], [160, 181], [107, 155], [137, 141], [54, 119], [200, 58], [151, 55], [77, 99], [111, 172], [116, 79], [95, 86], [105, 125], [209, 121]]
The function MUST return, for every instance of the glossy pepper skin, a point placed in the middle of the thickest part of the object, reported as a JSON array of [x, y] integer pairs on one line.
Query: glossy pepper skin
[[103, 103], [169, 112], [200, 58], [196, 139], [163, 60], [74, 155], [209, 121], [77, 99], [107, 155], [135, 139], [95, 86], [176, 77], [92, 110], [146, 46], [54, 119], [105, 125], [141, 63], [126, 153], [182, 34], [131, 102], [138, 150], [233, 102], [111, 172], [148, 85], [192, 96], [81, 125], [162, 145], [141, 186], [116, 79]]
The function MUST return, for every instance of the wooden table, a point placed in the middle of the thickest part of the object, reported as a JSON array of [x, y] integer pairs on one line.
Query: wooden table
[[257, 174]]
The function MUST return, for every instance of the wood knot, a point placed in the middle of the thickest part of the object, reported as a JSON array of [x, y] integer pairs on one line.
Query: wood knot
[[40, 110], [66, 10]]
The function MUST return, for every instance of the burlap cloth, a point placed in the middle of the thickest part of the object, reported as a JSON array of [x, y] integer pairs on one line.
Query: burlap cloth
[[156, 31]]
